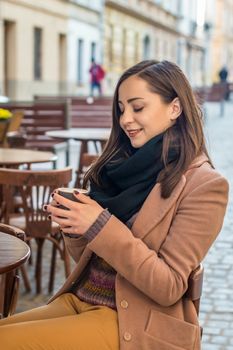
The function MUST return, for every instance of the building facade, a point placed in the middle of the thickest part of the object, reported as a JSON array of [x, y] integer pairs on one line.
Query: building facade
[[46, 46], [136, 30], [85, 38], [220, 18]]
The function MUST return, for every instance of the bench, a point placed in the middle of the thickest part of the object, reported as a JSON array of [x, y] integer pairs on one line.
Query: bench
[[77, 100], [83, 114], [40, 117], [218, 92]]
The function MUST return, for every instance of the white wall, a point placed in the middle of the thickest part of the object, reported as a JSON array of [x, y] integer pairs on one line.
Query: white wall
[[88, 33]]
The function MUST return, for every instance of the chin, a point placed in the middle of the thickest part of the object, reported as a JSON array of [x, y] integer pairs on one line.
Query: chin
[[136, 144]]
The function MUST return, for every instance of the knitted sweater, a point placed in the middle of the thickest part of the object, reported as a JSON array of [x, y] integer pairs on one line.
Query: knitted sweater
[[97, 286]]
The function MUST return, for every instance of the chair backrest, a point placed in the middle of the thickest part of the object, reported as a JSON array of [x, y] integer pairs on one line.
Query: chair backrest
[[39, 117], [34, 188], [14, 125], [195, 284], [4, 125], [13, 231], [85, 163], [16, 140], [15, 121]]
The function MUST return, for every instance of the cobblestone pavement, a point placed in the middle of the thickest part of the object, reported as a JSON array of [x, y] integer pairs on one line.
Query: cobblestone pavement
[[216, 314]]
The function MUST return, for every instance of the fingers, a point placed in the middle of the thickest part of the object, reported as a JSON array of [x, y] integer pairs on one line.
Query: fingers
[[52, 203], [62, 222], [68, 203], [83, 198]]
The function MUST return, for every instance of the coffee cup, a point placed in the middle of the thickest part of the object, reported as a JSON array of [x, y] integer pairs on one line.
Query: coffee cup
[[69, 194]]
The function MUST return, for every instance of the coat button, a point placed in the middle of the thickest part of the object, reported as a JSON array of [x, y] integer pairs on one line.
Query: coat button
[[127, 336], [124, 304]]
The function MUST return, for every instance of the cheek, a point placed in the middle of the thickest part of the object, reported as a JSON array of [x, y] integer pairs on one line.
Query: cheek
[[160, 124], [120, 123]]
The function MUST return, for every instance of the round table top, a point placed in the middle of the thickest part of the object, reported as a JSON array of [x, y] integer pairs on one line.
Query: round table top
[[16, 156], [82, 134], [13, 252]]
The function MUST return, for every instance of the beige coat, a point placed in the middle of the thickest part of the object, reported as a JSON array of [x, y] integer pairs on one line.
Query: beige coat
[[153, 260]]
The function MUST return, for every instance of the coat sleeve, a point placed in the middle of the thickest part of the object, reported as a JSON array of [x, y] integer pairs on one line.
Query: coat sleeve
[[75, 246], [163, 275]]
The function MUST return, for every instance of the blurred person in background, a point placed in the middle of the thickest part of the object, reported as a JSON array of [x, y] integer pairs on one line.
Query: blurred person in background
[[223, 75], [97, 74]]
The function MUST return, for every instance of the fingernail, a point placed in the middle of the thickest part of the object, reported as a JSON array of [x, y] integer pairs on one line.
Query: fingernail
[[45, 207], [76, 192], [52, 194], [49, 217]]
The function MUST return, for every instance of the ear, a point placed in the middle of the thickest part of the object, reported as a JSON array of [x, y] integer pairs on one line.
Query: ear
[[176, 109]]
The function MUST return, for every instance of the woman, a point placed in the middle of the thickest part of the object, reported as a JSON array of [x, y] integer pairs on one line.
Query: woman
[[156, 205]]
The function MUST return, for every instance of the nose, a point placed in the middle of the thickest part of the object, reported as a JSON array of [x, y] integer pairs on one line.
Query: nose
[[126, 117]]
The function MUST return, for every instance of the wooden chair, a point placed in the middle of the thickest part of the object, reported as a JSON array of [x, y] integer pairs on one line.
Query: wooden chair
[[39, 117], [35, 188], [86, 160], [16, 139], [14, 126], [4, 125], [12, 278]]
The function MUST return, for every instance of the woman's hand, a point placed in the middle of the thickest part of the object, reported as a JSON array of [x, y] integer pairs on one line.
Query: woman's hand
[[79, 216]]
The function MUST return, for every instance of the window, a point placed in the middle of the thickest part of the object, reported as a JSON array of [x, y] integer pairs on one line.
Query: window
[[110, 44], [80, 62], [136, 47], [37, 53], [124, 48], [93, 50], [146, 47]]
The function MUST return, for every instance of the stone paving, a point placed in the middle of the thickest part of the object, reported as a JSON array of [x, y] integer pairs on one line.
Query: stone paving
[[216, 314]]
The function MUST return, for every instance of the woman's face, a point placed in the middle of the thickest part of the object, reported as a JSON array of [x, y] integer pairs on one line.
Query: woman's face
[[143, 113]]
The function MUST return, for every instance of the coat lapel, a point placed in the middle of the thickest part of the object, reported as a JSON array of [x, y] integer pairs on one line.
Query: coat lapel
[[155, 208]]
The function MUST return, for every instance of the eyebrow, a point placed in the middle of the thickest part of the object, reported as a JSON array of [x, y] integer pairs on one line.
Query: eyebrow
[[132, 99]]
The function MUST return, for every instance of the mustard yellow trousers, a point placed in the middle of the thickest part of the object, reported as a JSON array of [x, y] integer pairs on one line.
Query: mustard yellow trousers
[[65, 324]]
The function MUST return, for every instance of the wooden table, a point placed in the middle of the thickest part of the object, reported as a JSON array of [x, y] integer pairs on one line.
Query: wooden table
[[13, 253], [11, 157], [84, 135], [81, 134]]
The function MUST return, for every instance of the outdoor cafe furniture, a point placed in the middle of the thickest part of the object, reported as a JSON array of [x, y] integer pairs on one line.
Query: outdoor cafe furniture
[[8, 125], [40, 117], [14, 126], [84, 135], [16, 139], [4, 125], [87, 160], [14, 252], [12, 157], [34, 189]]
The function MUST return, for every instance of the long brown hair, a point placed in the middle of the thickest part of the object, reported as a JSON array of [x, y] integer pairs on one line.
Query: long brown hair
[[166, 79]]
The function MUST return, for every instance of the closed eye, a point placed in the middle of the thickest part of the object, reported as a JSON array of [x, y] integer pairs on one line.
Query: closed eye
[[136, 110]]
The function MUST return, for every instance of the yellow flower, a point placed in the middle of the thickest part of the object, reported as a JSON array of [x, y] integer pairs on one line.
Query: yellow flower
[[5, 114]]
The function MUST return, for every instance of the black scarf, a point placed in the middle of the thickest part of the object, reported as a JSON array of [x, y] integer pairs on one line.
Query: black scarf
[[128, 182]]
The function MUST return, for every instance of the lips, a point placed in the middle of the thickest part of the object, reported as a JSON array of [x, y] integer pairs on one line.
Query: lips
[[133, 132]]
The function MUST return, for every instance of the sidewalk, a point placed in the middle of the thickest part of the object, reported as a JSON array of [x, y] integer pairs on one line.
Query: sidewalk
[[217, 301]]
